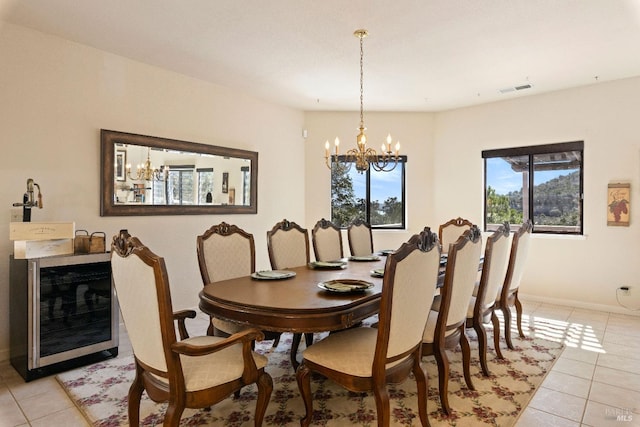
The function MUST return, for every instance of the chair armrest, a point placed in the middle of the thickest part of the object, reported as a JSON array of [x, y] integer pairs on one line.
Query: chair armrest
[[180, 316], [245, 337]]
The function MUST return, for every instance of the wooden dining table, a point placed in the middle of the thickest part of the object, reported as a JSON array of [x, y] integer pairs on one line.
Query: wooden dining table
[[296, 304]]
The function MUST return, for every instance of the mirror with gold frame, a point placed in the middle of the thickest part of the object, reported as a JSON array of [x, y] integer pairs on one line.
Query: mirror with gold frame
[[147, 175]]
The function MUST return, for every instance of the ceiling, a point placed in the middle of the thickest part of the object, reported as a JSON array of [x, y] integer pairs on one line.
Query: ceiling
[[421, 55]]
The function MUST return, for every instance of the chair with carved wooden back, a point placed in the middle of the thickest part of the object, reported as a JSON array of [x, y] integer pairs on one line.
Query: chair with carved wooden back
[[446, 328], [450, 231], [509, 295], [360, 238], [367, 359], [288, 246], [327, 241], [482, 306], [194, 372], [225, 252]]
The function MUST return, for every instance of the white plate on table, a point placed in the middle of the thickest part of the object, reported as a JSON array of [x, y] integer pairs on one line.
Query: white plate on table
[[331, 265], [365, 258], [273, 274], [345, 285]]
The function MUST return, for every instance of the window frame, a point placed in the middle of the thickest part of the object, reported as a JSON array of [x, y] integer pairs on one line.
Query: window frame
[[532, 151], [367, 214]]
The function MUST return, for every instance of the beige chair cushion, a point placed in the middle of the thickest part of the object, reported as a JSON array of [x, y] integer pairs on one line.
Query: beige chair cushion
[[521, 256], [201, 372], [289, 249], [450, 234], [227, 257], [497, 272], [360, 240], [327, 244], [414, 287], [142, 322], [464, 280], [350, 351]]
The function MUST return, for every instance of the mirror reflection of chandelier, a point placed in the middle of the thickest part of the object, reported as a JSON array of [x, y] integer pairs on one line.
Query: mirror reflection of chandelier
[[146, 172], [362, 156]]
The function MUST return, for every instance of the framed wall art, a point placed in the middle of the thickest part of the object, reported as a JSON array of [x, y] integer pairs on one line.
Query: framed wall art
[[120, 165], [618, 204]]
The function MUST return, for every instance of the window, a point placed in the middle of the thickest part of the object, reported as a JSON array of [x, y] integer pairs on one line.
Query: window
[[205, 185], [180, 185], [542, 183], [375, 197], [246, 176]]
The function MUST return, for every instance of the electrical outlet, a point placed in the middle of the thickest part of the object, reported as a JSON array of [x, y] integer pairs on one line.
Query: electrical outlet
[[16, 215]]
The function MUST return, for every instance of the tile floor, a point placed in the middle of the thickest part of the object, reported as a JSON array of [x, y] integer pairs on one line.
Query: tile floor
[[595, 383]]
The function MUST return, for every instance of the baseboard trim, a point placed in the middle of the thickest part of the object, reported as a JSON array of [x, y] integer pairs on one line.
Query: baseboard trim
[[580, 304]]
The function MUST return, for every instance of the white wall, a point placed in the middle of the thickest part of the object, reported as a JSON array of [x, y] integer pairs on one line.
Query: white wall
[[585, 270], [57, 95], [445, 179]]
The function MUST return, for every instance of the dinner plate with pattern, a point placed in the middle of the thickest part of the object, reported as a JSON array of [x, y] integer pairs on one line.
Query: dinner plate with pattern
[[273, 274], [378, 272], [345, 285], [365, 258], [331, 265]]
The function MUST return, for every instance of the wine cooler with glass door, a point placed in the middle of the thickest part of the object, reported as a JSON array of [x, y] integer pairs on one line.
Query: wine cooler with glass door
[[63, 313]]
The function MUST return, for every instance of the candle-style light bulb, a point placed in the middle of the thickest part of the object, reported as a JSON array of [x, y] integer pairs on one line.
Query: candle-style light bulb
[[337, 142], [397, 148], [326, 148]]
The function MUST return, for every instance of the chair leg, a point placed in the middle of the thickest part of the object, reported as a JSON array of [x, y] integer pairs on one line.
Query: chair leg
[[381, 397], [443, 378], [294, 350], [173, 414], [421, 385], [303, 377], [210, 329], [506, 311], [265, 387], [466, 358], [482, 345], [496, 334], [276, 341], [308, 339], [519, 315], [133, 399]]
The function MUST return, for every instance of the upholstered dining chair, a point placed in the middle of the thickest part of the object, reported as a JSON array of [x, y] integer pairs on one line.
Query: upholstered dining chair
[[509, 294], [224, 252], [360, 238], [482, 305], [327, 241], [194, 372], [366, 359], [446, 327], [288, 246], [450, 231]]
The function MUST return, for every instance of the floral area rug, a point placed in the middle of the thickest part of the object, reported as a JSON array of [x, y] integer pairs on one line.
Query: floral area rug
[[100, 391]]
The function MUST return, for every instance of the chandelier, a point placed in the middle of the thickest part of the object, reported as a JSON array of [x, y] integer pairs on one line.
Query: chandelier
[[362, 156], [146, 172]]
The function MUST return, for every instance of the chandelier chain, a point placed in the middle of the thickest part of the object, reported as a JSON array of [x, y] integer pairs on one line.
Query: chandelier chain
[[361, 83]]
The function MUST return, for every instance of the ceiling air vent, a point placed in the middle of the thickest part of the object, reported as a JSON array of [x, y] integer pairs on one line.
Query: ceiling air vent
[[515, 88]]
